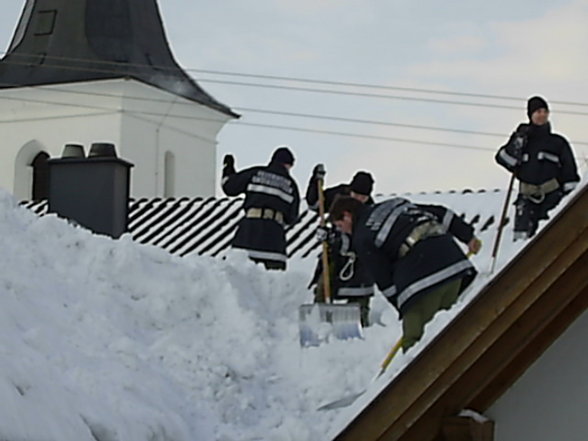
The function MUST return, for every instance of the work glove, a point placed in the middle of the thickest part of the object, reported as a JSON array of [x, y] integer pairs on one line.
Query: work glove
[[228, 165], [322, 234], [519, 141], [319, 172], [229, 161], [474, 246]]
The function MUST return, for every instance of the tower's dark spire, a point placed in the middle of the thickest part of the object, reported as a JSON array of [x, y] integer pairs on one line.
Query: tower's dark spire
[[62, 41]]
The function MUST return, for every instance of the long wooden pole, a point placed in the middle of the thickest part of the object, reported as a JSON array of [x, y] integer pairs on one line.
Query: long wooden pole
[[501, 223], [325, 253]]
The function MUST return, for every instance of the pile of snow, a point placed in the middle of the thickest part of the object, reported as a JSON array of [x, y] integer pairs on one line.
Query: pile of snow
[[105, 340], [113, 341]]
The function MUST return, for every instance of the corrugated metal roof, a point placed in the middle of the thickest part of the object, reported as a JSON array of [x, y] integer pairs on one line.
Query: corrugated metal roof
[[205, 226]]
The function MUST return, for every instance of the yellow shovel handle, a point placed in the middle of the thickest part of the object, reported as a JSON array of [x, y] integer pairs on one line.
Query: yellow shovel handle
[[391, 355]]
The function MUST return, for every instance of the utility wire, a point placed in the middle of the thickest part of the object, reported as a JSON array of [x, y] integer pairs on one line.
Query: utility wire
[[243, 123], [282, 113], [375, 137], [373, 95], [313, 90], [286, 78]]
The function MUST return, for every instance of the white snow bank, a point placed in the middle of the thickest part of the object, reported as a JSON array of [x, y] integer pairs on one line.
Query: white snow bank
[[105, 340], [115, 341]]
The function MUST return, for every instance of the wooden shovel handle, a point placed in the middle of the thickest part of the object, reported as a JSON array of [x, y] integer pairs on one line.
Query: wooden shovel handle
[[325, 253], [390, 356]]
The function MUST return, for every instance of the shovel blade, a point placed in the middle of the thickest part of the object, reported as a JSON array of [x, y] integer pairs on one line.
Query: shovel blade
[[341, 402], [319, 322]]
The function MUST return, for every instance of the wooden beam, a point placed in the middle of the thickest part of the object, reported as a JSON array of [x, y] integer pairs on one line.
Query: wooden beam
[[498, 356], [461, 428]]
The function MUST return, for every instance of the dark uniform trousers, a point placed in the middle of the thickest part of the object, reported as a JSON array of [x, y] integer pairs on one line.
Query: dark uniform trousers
[[529, 211], [424, 309]]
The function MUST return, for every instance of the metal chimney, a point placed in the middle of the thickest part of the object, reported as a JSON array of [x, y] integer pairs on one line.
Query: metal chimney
[[93, 191]]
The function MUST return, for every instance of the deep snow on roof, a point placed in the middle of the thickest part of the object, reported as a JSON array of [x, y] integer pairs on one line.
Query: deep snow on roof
[[117, 340]]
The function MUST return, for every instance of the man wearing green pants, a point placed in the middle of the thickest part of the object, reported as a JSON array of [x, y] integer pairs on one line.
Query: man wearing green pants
[[412, 255]]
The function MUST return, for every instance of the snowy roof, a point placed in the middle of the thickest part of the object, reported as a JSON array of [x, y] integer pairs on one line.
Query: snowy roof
[[205, 226], [110, 339]]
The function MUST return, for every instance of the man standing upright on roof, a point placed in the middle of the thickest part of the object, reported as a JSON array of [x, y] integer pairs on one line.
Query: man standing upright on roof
[[410, 251], [543, 163], [271, 203], [349, 279]]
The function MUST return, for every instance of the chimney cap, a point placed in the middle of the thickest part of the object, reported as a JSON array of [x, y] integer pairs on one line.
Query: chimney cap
[[73, 151], [102, 150]]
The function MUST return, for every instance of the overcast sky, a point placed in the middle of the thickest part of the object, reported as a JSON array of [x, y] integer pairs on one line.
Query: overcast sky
[[501, 48]]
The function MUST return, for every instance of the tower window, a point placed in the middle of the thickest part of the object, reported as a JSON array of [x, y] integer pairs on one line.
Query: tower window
[[45, 22]]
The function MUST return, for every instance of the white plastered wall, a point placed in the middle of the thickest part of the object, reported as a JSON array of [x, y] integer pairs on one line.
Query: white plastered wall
[[156, 122], [550, 401], [142, 121]]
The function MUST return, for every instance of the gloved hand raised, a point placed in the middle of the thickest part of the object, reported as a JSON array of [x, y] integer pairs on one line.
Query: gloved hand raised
[[520, 139], [319, 172], [229, 161]]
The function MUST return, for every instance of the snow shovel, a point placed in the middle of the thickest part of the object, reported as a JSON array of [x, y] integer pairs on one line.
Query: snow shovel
[[319, 321], [348, 400]]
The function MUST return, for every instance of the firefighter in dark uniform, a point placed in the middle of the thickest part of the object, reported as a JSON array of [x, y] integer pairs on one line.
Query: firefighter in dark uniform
[[543, 163], [271, 203], [349, 279], [411, 253]]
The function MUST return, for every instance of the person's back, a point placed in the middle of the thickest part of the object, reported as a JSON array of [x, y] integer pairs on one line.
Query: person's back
[[410, 251], [271, 202]]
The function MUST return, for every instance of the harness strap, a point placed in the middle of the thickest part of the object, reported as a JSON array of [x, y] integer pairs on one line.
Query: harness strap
[[536, 193], [418, 233]]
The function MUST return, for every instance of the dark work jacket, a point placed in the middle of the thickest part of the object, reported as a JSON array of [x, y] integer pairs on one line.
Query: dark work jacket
[[378, 233], [351, 279], [264, 187], [543, 155]]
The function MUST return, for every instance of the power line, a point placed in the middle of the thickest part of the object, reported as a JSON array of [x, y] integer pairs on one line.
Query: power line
[[373, 95], [282, 78], [243, 123], [284, 113], [374, 137], [367, 121], [317, 90], [293, 114]]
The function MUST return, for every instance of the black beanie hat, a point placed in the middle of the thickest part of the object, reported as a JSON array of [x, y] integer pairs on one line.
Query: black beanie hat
[[362, 183], [283, 155], [536, 103]]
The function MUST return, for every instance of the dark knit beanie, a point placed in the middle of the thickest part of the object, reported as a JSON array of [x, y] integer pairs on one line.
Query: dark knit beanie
[[283, 155], [362, 183], [536, 103]]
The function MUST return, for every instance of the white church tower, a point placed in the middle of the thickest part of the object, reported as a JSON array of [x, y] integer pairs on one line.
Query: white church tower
[[85, 71]]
